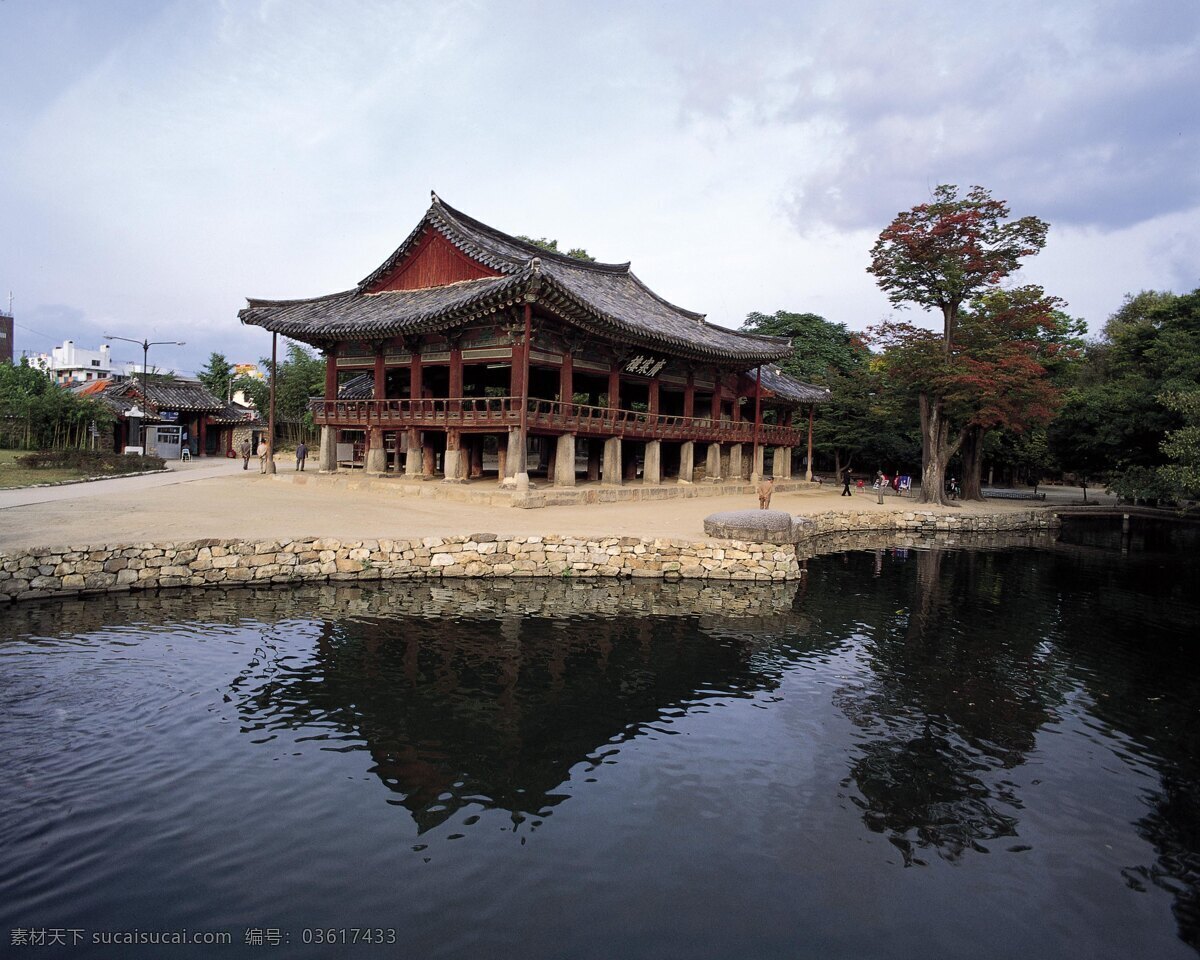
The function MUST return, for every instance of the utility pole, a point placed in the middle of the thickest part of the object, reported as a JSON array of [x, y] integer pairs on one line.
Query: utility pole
[[145, 345]]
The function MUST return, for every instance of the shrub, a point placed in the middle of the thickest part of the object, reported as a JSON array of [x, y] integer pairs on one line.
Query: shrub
[[91, 462]]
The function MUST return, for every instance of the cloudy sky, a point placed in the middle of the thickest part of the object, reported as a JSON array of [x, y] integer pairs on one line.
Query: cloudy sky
[[161, 160]]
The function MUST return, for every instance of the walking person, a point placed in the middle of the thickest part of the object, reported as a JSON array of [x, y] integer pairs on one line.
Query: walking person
[[846, 482], [262, 456], [245, 449], [301, 455]]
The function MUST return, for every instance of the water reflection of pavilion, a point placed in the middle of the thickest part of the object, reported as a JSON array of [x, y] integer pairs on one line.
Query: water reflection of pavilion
[[495, 711]]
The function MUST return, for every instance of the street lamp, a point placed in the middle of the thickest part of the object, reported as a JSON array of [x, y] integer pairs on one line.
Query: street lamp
[[146, 345]]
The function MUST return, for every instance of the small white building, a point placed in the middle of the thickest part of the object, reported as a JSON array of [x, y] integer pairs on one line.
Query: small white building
[[72, 364]]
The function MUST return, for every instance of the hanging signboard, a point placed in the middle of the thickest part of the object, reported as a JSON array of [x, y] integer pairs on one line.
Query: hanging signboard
[[645, 365], [168, 416]]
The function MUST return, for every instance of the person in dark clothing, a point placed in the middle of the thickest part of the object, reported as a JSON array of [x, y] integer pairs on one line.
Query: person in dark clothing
[[245, 450], [301, 455], [846, 483]]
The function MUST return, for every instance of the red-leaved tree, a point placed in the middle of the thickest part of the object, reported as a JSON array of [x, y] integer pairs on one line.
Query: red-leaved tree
[[939, 255]]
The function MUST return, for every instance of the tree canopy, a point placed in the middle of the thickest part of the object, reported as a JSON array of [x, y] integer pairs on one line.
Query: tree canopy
[[552, 245], [35, 412], [217, 376], [940, 255]]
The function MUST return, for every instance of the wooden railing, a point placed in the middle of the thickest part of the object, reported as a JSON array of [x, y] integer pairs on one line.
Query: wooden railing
[[483, 413]]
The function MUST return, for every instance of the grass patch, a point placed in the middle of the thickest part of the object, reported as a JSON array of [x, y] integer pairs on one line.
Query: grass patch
[[22, 469]]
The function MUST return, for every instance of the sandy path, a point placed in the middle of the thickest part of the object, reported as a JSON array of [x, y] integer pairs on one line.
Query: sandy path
[[251, 506]]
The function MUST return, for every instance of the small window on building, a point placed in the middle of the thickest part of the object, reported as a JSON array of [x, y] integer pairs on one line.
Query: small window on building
[[95, 363]]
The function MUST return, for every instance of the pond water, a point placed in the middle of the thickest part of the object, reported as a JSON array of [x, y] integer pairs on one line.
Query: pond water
[[942, 750]]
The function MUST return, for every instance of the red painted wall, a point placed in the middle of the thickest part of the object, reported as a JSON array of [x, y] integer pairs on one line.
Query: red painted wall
[[433, 262]]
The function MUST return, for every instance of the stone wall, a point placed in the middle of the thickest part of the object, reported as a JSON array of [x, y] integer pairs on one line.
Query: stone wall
[[145, 566], [46, 572]]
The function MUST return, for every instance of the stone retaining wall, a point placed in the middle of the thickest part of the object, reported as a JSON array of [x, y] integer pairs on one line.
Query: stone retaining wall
[[46, 572], [145, 566]]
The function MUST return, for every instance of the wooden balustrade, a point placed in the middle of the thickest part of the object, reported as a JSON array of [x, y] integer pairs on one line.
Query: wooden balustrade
[[478, 413]]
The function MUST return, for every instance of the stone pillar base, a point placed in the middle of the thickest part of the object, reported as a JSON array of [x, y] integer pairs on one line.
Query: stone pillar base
[[376, 454], [652, 466], [687, 461], [564, 461], [327, 452], [712, 463], [612, 462], [733, 462]]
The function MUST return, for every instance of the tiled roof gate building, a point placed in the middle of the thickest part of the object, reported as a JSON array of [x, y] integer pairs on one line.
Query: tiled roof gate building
[[465, 334]]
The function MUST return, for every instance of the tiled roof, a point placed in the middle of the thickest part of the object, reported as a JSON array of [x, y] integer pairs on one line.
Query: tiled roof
[[789, 388], [359, 387], [164, 395], [605, 298], [236, 413]]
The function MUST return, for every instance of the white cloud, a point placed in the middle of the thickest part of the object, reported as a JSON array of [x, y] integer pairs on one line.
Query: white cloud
[[743, 158]]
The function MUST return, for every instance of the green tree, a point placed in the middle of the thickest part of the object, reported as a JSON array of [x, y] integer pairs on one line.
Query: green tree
[[1115, 421], [217, 376], [300, 376], [1182, 446], [577, 253], [36, 413], [939, 256], [820, 346]]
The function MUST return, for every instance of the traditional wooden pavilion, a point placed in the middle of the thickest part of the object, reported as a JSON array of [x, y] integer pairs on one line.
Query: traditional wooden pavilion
[[466, 336]]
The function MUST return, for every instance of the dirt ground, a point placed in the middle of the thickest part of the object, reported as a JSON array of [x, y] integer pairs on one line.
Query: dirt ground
[[252, 506]]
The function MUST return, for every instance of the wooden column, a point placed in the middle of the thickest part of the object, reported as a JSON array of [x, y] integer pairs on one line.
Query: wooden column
[[614, 388], [521, 468], [270, 466], [756, 470], [456, 371], [380, 389], [715, 411], [201, 440], [566, 379], [808, 466], [652, 391], [414, 380], [689, 397], [331, 377], [476, 458]]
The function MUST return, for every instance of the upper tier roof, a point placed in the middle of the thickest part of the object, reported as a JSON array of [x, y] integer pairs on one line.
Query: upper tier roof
[[604, 298]]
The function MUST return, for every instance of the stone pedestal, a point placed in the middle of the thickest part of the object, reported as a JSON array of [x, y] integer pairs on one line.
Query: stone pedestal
[[513, 462], [564, 461], [652, 467], [731, 462], [428, 459], [758, 466], [376, 454], [612, 461], [327, 454], [412, 458], [455, 462], [712, 462], [687, 461], [781, 463]]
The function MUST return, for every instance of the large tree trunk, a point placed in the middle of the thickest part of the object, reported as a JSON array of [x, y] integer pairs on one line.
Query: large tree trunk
[[933, 463], [838, 467], [972, 457], [936, 450]]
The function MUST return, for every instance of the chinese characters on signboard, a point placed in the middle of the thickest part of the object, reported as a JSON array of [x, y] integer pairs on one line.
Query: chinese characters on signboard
[[644, 365]]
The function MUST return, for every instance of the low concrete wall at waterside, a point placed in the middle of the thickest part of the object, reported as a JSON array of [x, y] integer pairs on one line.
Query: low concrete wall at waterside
[[146, 566]]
